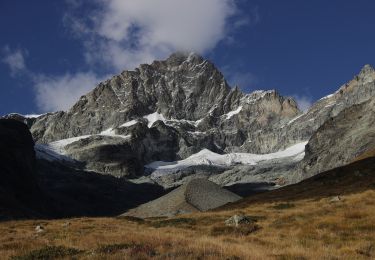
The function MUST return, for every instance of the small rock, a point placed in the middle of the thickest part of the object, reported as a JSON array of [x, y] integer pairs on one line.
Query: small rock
[[237, 220], [39, 229], [335, 199], [66, 224]]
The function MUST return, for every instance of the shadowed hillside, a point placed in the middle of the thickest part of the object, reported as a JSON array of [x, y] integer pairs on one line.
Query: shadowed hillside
[[353, 178]]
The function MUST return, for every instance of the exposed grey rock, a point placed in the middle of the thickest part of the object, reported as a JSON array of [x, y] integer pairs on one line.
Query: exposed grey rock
[[238, 220], [39, 229], [199, 108], [29, 121], [66, 224], [276, 171], [205, 195], [171, 109], [335, 199], [340, 140], [341, 126], [196, 195]]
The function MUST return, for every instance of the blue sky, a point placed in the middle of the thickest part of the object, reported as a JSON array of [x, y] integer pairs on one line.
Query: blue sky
[[51, 52]]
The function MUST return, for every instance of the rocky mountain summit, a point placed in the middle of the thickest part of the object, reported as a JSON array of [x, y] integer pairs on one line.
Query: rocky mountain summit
[[174, 120], [165, 111]]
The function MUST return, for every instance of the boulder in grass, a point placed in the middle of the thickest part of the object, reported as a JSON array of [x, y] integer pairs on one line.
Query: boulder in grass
[[238, 220]]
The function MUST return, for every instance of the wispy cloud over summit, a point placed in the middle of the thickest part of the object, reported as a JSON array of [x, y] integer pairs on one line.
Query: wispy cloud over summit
[[118, 35], [14, 59], [124, 34]]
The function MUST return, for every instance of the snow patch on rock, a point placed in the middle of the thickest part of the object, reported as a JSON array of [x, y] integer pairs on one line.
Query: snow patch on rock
[[111, 133], [55, 151], [152, 118], [130, 123], [207, 157], [234, 112]]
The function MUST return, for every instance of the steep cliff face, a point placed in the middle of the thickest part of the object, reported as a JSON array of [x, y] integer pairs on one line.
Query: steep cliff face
[[341, 139], [167, 110], [360, 89], [170, 110], [181, 87], [19, 192]]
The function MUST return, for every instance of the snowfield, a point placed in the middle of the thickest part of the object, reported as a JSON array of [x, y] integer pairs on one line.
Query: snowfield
[[152, 118], [55, 151], [234, 112], [27, 116], [206, 157]]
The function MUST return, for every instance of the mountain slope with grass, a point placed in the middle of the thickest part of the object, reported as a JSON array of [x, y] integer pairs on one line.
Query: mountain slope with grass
[[328, 216]]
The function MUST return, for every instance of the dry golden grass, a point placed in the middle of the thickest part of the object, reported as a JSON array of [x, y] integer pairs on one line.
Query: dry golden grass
[[302, 229]]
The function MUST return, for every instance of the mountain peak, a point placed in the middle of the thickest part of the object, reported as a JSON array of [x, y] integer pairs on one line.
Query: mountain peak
[[178, 58], [367, 74], [367, 69]]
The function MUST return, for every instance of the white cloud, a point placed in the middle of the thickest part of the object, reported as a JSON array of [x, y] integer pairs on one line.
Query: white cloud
[[52, 93], [121, 34], [61, 92], [252, 18], [126, 33], [303, 102], [14, 59]]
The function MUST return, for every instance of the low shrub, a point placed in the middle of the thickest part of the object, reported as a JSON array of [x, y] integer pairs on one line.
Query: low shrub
[[133, 249], [242, 230], [284, 206], [175, 222], [49, 252], [132, 219]]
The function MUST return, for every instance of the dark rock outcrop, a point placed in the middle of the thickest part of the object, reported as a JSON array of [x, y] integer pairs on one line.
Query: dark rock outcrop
[[31, 188], [20, 195], [75, 192]]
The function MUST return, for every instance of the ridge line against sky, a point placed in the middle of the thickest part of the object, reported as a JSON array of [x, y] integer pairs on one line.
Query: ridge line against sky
[[254, 44]]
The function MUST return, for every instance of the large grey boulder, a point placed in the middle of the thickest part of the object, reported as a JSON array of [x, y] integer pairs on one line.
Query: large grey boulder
[[196, 195], [238, 220]]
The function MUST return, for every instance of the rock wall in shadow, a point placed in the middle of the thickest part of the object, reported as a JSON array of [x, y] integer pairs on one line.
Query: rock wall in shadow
[[31, 188], [20, 195], [80, 193]]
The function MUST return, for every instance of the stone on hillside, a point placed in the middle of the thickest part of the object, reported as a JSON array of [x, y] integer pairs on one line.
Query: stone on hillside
[[196, 195], [335, 199], [238, 220], [39, 229]]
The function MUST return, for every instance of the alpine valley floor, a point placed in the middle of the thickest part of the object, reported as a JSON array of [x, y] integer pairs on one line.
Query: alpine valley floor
[[302, 221]]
